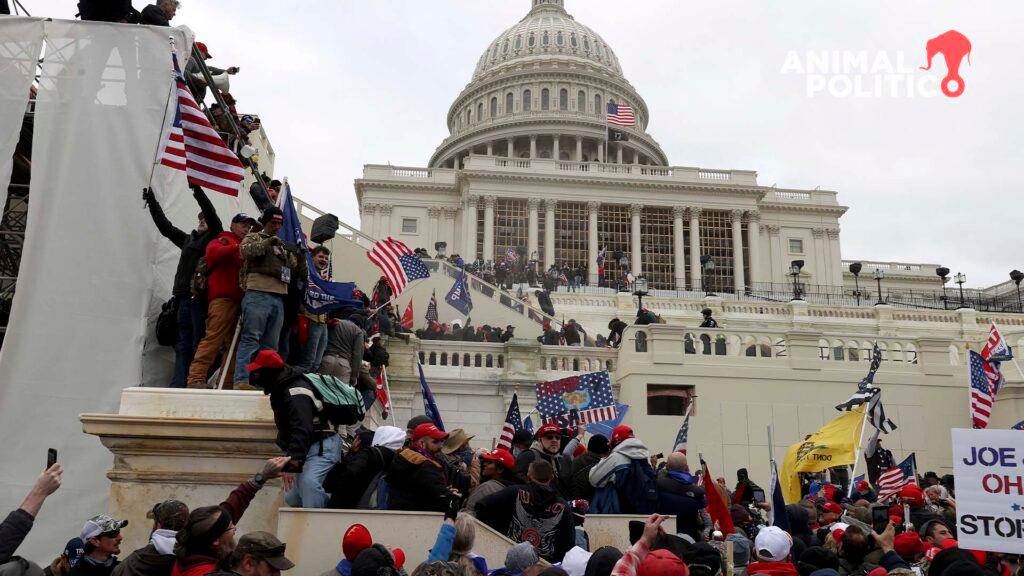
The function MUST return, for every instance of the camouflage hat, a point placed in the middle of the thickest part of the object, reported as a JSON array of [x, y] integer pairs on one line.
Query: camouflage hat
[[266, 547], [101, 524], [170, 514]]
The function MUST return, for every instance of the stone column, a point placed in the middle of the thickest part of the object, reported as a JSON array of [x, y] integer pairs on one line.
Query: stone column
[[836, 256], [531, 233], [489, 227], [636, 156], [533, 146], [695, 271], [679, 263], [368, 220], [549, 232], [635, 211], [754, 245], [739, 282], [511, 148], [384, 224], [820, 273], [600, 151], [447, 229], [433, 227], [618, 154], [592, 243], [469, 226], [775, 244], [579, 149], [554, 145], [490, 149]]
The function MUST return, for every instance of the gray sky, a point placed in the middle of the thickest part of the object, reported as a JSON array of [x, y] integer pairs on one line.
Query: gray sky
[[340, 84]]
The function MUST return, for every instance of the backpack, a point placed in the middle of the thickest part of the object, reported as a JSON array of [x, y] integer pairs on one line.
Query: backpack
[[199, 278], [605, 501], [167, 323], [636, 483], [340, 404]]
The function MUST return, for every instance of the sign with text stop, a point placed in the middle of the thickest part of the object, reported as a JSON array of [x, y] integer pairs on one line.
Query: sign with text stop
[[989, 469]]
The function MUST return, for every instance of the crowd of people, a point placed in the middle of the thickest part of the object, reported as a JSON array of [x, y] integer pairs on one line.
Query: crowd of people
[[539, 493]]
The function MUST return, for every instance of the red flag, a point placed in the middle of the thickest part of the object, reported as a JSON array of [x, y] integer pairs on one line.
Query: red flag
[[407, 317], [716, 505], [382, 391]]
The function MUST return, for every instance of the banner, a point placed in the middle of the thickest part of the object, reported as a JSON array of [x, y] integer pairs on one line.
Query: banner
[[835, 444], [989, 469]]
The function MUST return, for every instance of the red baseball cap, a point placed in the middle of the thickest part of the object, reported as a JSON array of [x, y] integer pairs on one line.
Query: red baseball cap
[[501, 456], [908, 544], [399, 555], [662, 563], [202, 49], [266, 359], [863, 486], [832, 507], [428, 430], [912, 494], [620, 433], [548, 428], [356, 539]]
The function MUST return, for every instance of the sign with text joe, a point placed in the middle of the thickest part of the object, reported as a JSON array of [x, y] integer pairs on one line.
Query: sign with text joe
[[989, 470]]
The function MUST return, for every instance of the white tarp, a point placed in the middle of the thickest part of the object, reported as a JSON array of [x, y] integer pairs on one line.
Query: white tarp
[[94, 269], [989, 470], [20, 42]]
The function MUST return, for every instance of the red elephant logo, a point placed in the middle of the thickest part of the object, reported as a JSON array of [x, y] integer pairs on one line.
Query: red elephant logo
[[953, 46]]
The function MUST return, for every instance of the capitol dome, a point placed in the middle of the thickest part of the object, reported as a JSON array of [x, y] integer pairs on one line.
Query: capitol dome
[[541, 90]]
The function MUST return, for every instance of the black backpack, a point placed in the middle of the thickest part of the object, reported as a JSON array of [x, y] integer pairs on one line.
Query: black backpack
[[167, 323], [637, 483]]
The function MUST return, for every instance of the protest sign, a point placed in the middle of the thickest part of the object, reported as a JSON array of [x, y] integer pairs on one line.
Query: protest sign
[[989, 470]]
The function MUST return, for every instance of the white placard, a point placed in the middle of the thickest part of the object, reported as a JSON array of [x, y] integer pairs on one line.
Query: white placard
[[989, 470]]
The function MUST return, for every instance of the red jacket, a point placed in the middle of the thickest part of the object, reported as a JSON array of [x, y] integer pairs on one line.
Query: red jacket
[[783, 568], [223, 263]]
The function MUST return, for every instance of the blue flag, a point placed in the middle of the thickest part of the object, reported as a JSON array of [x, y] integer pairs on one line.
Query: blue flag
[[778, 502], [429, 407], [321, 295], [528, 423], [605, 428], [458, 296], [1018, 426]]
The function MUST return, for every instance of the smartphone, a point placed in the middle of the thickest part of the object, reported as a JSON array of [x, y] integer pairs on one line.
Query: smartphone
[[758, 495], [51, 457], [879, 518]]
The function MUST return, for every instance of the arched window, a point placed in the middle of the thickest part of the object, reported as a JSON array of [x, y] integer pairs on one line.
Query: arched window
[[479, 111], [494, 106], [494, 52], [545, 39], [597, 104], [504, 49], [559, 38], [544, 99], [572, 39], [469, 116], [581, 102], [509, 99], [532, 40], [519, 42], [586, 43], [527, 104], [563, 99]]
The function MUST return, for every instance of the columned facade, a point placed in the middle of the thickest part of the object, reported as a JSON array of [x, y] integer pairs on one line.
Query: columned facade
[[593, 249], [470, 226], [677, 239], [489, 228], [754, 246], [635, 211], [533, 204], [549, 232], [695, 270]]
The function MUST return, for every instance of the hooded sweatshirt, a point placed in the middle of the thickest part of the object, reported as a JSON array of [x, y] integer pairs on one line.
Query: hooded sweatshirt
[[534, 509], [389, 437], [155, 559], [629, 449]]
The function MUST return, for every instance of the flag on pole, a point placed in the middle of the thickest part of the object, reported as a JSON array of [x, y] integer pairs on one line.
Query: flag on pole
[[195, 148], [878, 421], [1018, 426], [513, 423], [621, 114], [778, 502], [605, 427], [684, 430], [528, 423], [996, 349], [834, 444], [407, 321], [717, 509], [429, 407], [865, 389], [431, 315], [458, 297], [399, 264], [586, 397], [382, 392], [890, 482], [511, 256], [981, 391]]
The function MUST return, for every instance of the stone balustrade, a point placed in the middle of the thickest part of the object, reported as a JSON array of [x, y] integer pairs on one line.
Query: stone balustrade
[[636, 171]]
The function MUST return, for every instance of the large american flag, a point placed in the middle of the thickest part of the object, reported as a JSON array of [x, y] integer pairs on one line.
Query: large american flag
[[583, 399], [399, 264], [981, 390], [684, 430], [513, 422], [890, 482], [621, 114], [194, 147]]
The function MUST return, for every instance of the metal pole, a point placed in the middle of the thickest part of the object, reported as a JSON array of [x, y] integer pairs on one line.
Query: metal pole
[[1019, 308], [387, 388], [856, 290], [860, 443], [227, 355], [961, 294], [880, 301]]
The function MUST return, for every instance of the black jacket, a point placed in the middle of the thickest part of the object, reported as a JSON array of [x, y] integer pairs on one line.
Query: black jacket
[[520, 509], [580, 477], [85, 568], [685, 501], [550, 337], [572, 334], [12, 531], [348, 479], [417, 483], [146, 561], [192, 245], [560, 462], [154, 16], [295, 414]]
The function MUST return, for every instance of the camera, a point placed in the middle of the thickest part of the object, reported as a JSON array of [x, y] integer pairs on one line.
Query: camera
[[291, 247]]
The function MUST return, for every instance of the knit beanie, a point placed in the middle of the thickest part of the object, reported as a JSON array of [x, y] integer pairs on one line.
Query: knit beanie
[[520, 557]]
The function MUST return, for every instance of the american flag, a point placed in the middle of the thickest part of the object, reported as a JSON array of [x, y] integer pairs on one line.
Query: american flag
[[621, 114], [432, 308], [890, 482], [583, 399], [194, 147], [981, 390], [399, 264], [511, 256], [513, 422], [684, 430]]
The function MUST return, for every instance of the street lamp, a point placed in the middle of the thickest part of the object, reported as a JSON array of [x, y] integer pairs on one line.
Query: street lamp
[[1017, 276], [855, 270], [879, 274], [794, 270], [960, 278], [640, 290], [707, 264], [943, 273]]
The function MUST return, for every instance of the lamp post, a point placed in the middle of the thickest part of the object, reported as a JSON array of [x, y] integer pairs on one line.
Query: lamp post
[[707, 265], [1017, 276], [794, 270], [640, 290], [943, 273], [855, 268], [879, 274], [960, 278]]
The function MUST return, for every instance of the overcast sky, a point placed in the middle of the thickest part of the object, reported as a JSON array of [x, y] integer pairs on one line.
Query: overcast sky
[[339, 84]]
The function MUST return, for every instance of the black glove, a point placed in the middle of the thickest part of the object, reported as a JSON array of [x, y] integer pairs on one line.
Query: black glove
[[147, 195], [453, 507]]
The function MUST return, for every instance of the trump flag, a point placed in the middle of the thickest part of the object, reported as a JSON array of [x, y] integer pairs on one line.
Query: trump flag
[[583, 399]]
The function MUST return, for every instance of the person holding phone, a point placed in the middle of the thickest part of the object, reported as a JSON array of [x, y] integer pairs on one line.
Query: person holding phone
[[18, 523]]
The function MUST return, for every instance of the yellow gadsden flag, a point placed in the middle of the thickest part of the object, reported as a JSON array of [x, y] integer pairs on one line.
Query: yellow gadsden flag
[[835, 444]]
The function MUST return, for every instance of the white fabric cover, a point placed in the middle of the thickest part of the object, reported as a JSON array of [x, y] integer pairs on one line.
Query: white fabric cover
[[20, 43]]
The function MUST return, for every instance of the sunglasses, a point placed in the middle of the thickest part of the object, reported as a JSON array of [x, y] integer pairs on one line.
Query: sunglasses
[[110, 534]]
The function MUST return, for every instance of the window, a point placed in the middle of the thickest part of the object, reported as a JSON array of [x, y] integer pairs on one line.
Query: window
[[545, 39], [509, 106], [479, 111], [659, 252], [544, 99], [597, 104], [716, 241], [581, 102], [532, 40], [614, 230], [494, 106], [571, 225], [664, 400], [572, 39], [559, 38], [563, 99], [409, 225], [494, 52], [519, 42], [586, 43], [504, 49], [796, 246], [527, 104]]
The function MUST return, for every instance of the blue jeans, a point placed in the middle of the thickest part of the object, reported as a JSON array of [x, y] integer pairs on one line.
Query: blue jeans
[[316, 345], [188, 339], [308, 491], [262, 316]]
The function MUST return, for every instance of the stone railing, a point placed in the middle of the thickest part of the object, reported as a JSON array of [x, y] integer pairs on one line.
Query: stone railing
[[896, 267], [639, 171], [387, 172], [789, 196], [451, 358]]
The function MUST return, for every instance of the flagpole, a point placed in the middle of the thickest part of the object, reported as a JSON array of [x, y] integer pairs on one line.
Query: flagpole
[[387, 388], [167, 105], [227, 355], [860, 444], [1012, 357]]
